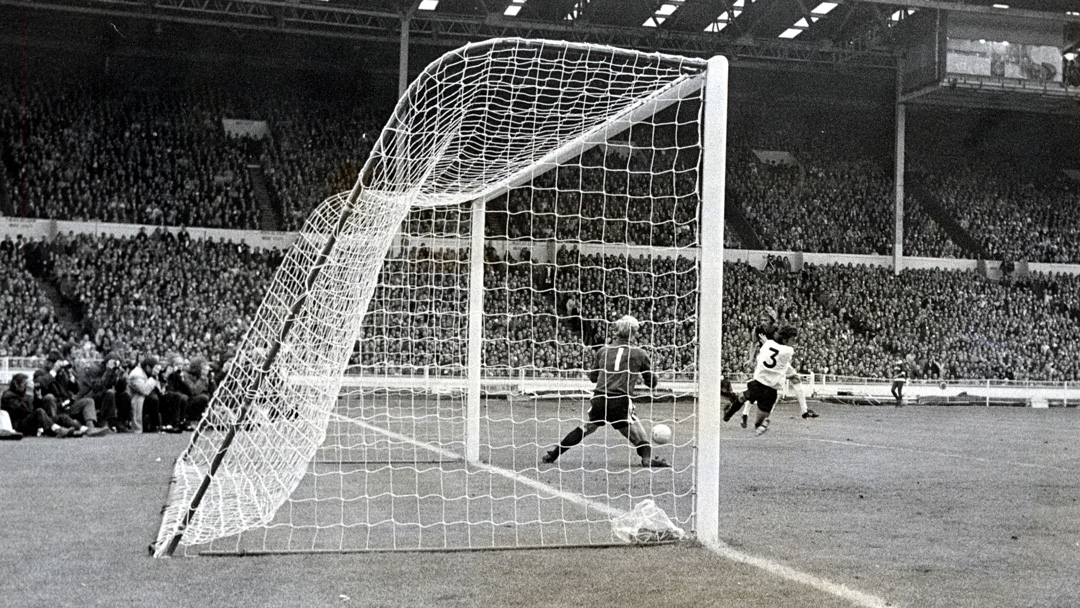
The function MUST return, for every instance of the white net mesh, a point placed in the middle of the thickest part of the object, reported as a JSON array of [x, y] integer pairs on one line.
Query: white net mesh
[[343, 422]]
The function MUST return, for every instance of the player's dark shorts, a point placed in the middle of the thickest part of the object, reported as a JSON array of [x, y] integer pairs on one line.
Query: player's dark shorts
[[616, 409], [763, 396]]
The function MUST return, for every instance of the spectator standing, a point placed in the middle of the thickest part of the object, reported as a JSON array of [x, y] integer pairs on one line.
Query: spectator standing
[[899, 378]]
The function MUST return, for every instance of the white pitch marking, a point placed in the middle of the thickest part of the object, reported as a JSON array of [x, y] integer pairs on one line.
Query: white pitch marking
[[936, 453], [841, 591], [517, 477], [856, 597]]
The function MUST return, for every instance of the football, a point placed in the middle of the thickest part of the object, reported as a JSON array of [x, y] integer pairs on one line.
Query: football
[[661, 434]]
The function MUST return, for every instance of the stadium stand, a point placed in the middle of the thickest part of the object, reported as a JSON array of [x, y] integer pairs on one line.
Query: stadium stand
[[148, 154]]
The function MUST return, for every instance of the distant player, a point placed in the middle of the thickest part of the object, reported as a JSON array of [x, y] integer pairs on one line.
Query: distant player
[[616, 371], [899, 379], [772, 369], [766, 330]]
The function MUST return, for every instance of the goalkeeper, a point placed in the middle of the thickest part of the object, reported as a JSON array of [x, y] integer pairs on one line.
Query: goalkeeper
[[616, 370]]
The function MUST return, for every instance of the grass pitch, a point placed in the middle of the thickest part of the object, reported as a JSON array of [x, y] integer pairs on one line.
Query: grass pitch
[[918, 506]]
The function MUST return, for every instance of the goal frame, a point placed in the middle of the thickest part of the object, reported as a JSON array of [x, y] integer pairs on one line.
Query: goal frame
[[713, 128]]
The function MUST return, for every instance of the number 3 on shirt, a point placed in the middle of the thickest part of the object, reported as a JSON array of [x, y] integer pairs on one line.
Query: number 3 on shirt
[[771, 361]]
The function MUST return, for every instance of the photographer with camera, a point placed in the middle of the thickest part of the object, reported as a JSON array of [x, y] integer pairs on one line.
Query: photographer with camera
[[59, 390], [175, 394], [100, 384], [144, 388], [198, 377], [27, 417]]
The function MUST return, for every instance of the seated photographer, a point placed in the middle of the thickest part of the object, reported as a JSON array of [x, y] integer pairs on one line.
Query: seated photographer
[[145, 390], [29, 420], [198, 378], [174, 400], [59, 390], [98, 381]]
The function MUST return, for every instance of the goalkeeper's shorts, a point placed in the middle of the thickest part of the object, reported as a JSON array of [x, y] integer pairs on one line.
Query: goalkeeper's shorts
[[615, 409]]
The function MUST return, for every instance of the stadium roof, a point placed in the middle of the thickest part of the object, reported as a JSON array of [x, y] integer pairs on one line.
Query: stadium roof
[[859, 34]]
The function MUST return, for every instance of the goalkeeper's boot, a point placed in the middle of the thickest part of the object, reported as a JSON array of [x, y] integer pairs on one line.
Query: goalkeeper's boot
[[760, 429], [809, 413], [655, 463], [743, 423], [551, 456]]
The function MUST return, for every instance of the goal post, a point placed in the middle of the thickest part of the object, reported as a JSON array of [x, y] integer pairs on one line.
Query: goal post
[[429, 336], [710, 316]]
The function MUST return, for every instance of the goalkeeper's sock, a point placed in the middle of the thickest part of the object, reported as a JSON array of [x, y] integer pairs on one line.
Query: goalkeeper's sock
[[645, 451], [572, 438]]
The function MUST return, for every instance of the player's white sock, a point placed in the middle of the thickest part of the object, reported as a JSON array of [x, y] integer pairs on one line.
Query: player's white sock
[[801, 397], [745, 409]]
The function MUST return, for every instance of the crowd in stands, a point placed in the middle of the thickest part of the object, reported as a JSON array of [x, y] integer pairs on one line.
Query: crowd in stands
[[817, 206], [33, 327], [102, 153], [317, 150], [923, 237], [1016, 215], [163, 304], [191, 300], [155, 155], [544, 317], [646, 196], [161, 292]]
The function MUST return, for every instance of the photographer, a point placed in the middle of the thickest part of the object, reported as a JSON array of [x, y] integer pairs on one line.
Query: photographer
[[59, 392], [18, 402], [199, 379], [100, 382], [175, 396], [144, 388]]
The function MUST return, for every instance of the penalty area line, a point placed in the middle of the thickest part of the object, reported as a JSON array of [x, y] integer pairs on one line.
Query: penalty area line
[[857, 598]]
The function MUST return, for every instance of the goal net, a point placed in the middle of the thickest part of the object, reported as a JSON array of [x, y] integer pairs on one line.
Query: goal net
[[428, 338]]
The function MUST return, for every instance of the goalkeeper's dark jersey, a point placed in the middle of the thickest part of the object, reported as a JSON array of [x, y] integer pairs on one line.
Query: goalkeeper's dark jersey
[[617, 368]]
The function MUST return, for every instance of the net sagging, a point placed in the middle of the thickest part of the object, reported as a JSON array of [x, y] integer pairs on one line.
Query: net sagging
[[543, 132]]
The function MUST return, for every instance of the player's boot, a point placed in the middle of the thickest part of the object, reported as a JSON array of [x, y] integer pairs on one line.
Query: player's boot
[[655, 463], [760, 429], [809, 413], [551, 456], [743, 423]]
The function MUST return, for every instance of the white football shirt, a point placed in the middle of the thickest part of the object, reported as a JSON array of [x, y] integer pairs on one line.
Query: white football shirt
[[773, 364]]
